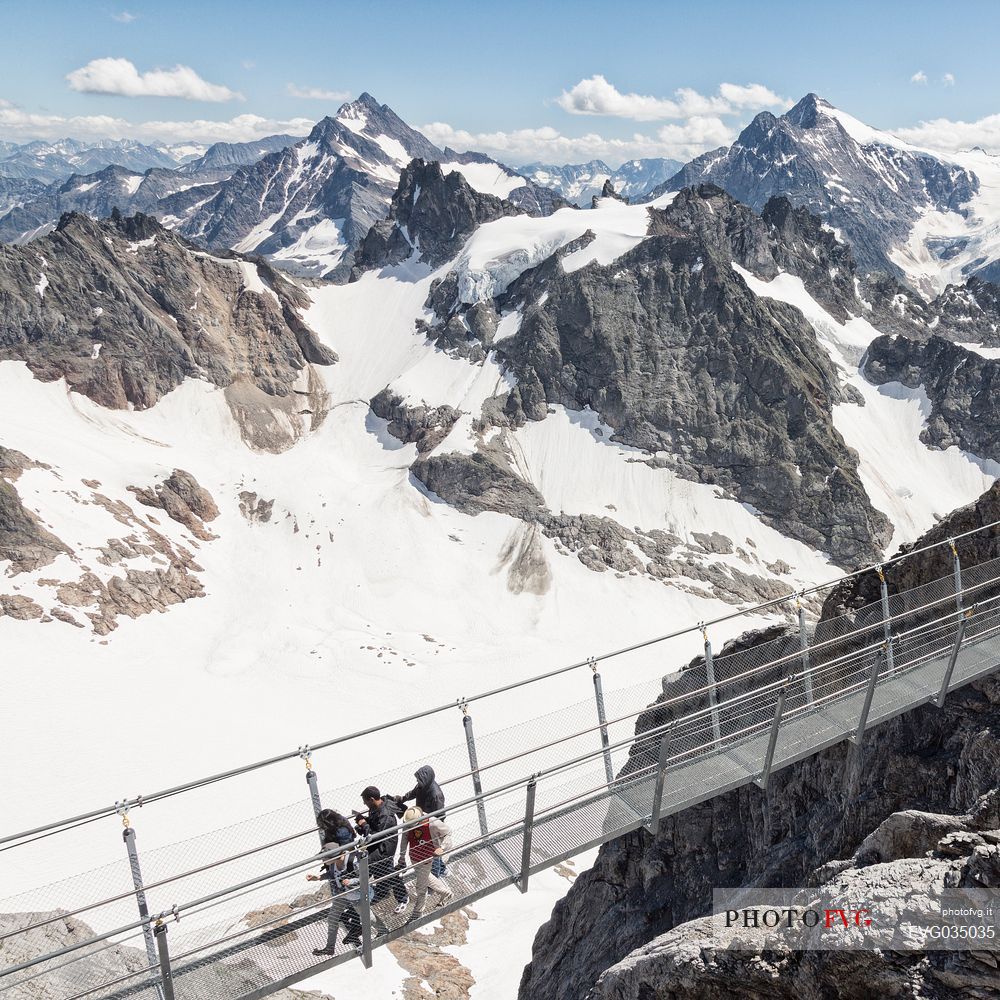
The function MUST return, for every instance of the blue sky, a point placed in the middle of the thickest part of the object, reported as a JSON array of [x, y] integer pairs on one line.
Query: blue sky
[[492, 74]]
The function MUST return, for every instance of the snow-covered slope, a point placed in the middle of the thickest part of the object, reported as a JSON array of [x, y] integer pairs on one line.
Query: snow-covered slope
[[332, 590]]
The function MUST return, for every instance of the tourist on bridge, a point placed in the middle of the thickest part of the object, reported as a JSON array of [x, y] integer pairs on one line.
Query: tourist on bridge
[[346, 892], [382, 816], [428, 796], [426, 841], [335, 827]]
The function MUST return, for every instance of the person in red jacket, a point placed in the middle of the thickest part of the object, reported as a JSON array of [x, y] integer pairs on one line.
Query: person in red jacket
[[425, 841]]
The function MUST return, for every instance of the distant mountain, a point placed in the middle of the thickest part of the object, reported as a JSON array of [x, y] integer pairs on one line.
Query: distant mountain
[[172, 194], [53, 161], [579, 182], [309, 206], [869, 186], [16, 191], [230, 155]]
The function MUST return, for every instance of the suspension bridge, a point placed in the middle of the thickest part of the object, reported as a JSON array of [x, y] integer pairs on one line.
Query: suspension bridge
[[229, 915]]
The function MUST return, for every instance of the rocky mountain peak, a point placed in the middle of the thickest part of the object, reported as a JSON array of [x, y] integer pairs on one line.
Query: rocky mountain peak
[[870, 190], [432, 213], [808, 112]]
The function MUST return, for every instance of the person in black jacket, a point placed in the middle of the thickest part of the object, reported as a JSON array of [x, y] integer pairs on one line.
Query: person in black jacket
[[381, 816], [427, 793], [430, 798]]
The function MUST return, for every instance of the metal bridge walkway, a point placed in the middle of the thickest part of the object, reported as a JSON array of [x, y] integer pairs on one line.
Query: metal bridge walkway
[[519, 801]]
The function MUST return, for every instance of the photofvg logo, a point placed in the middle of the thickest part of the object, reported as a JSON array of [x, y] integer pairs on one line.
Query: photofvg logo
[[831, 918], [932, 918]]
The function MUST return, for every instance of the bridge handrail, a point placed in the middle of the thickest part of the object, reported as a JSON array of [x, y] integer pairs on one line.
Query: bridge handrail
[[311, 860], [646, 736], [27, 836]]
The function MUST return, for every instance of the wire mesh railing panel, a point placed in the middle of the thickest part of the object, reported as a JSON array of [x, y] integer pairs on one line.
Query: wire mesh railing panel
[[731, 716]]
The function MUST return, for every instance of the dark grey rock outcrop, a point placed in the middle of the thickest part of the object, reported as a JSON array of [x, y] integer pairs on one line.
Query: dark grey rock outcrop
[[673, 350], [125, 310], [424, 426], [963, 388], [432, 214], [24, 540]]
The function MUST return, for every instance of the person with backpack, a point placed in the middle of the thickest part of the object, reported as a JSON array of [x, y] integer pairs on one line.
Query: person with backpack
[[382, 817], [426, 841], [339, 871], [335, 827], [428, 796]]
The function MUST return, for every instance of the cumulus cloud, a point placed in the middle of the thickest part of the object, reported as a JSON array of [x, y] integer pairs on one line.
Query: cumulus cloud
[[919, 77], [679, 141], [948, 79], [125, 17], [120, 77], [597, 96], [21, 125], [316, 93], [953, 136]]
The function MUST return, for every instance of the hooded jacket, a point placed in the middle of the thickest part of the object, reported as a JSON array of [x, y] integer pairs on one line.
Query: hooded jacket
[[427, 793]]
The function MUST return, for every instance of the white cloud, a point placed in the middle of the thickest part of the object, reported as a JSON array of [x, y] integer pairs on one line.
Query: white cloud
[[120, 77], [948, 79], [596, 96], [546, 144], [316, 93], [919, 77], [21, 125], [953, 136], [125, 17]]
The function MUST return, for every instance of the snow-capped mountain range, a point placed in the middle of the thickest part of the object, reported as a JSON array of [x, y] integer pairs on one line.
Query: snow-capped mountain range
[[510, 434], [580, 182], [51, 161]]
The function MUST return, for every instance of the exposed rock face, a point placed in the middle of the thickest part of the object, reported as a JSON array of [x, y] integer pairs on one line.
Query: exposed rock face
[[485, 481], [125, 310], [424, 426], [24, 541], [963, 388], [809, 156], [432, 214], [909, 848], [182, 499], [933, 565], [627, 919], [672, 349]]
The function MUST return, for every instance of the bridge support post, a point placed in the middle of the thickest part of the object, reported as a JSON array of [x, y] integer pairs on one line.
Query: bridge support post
[[713, 699], [952, 659], [886, 615], [661, 776], [883, 656], [477, 782], [529, 822], [312, 782], [602, 718], [958, 574], [128, 836], [804, 646], [772, 739], [365, 908], [166, 987]]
